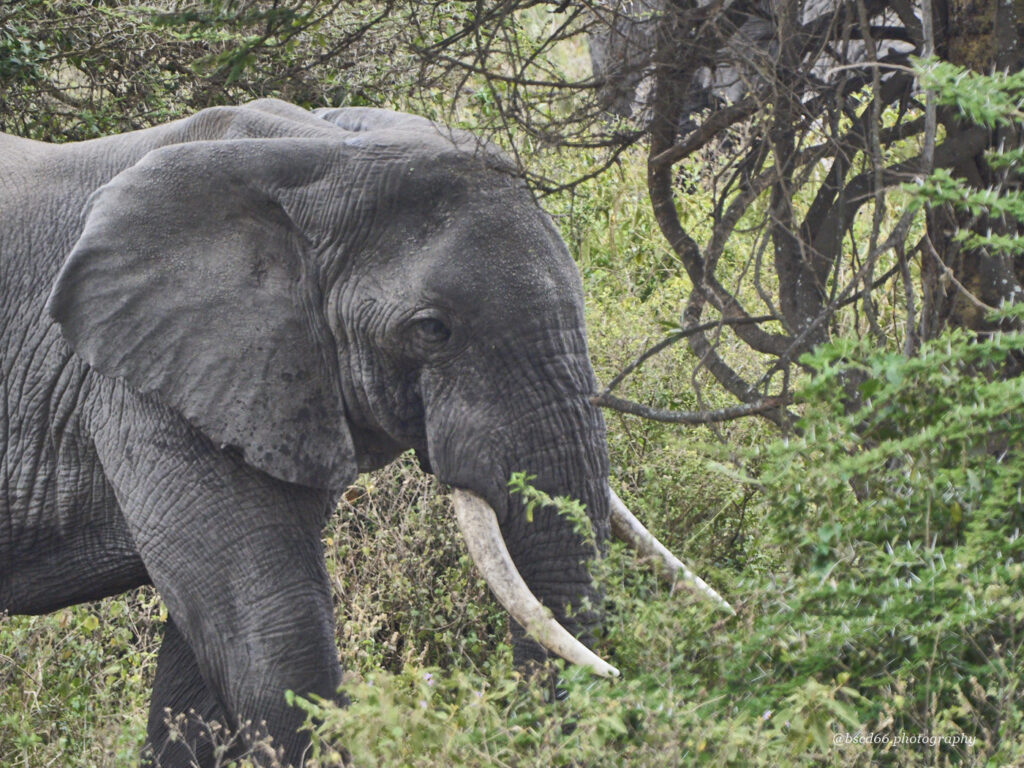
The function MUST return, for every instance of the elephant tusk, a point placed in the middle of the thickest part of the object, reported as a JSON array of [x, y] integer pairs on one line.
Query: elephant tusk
[[627, 528], [486, 546]]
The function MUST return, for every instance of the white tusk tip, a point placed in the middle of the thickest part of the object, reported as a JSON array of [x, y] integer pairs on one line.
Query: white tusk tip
[[627, 528]]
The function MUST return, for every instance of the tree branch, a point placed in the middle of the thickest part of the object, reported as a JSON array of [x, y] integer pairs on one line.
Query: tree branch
[[690, 417], [673, 338]]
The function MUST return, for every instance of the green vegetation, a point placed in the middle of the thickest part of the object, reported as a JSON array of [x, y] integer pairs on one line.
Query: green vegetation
[[873, 553]]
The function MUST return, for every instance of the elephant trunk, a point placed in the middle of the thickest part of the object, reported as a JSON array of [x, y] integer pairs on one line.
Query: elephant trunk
[[562, 447], [538, 563]]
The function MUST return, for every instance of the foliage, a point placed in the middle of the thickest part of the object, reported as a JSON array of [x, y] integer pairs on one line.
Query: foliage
[[77, 69], [995, 102], [571, 509], [990, 100], [72, 683], [389, 532], [907, 513]]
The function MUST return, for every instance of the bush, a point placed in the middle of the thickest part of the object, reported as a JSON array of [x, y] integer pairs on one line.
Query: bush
[[900, 521]]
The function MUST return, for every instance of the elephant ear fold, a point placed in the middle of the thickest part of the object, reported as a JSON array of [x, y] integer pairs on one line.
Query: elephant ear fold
[[192, 281]]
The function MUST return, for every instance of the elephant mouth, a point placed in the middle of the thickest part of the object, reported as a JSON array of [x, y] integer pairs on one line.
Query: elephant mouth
[[479, 526]]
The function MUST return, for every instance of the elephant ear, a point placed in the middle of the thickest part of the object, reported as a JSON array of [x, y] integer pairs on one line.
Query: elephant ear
[[191, 280]]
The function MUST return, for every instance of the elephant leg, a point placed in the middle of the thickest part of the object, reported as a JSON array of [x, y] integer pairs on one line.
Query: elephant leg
[[236, 555], [181, 702]]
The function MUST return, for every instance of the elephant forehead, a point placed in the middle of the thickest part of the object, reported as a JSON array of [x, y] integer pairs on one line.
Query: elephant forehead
[[508, 258], [460, 234]]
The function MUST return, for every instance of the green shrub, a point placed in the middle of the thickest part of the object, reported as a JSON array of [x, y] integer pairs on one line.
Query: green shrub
[[900, 520]]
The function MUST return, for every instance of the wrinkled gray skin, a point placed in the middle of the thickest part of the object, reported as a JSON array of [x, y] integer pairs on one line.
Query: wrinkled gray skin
[[211, 326]]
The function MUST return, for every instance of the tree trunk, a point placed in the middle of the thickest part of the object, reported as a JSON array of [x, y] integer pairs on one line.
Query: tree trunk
[[961, 284]]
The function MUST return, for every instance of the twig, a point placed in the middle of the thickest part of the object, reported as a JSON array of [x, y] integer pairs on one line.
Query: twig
[[709, 130], [911, 340], [897, 235], [948, 274], [674, 337]]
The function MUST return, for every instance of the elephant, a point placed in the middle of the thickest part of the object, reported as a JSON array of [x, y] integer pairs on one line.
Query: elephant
[[212, 326]]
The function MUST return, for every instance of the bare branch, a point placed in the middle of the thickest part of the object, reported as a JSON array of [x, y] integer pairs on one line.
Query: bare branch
[[691, 417], [673, 338]]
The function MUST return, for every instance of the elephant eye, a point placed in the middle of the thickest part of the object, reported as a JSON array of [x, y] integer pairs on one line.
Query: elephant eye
[[431, 331]]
